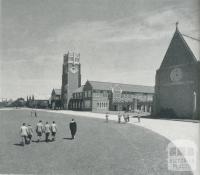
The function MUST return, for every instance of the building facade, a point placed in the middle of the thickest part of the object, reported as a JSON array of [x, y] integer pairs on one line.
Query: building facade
[[105, 96], [177, 86], [71, 77], [56, 99]]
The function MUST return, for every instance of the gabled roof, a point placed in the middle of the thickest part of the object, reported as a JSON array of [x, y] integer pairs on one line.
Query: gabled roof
[[124, 87], [178, 52], [57, 91], [80, 89]]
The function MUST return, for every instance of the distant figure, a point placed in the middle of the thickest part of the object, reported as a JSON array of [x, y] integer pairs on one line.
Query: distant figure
[[127, 117], [107, 117], [32, 112], [30, 133], [124, 116], [119, 118], [53, 130], [39, 130], [138, 116], [35, 114], [23, 133], [73, 128], [47, 130]]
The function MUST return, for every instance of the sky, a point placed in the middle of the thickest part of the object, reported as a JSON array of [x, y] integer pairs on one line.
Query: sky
[[118, 40]]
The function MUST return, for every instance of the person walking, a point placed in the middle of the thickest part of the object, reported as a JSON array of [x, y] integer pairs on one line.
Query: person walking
[[138, 116], [47, 130], [124, 116], [107, 116], [73, 128], [53, 130], [119, 118], [32, 112], [30, 133], [127, 117], [23, 133], [39, 130], [35, 114]]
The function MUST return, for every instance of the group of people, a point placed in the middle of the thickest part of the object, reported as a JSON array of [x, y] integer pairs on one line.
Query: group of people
[[47, 129], [33, 113], [125, 116], [26, 131]]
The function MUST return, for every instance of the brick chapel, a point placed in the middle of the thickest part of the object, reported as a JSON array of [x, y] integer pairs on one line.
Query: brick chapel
[[177, 84]]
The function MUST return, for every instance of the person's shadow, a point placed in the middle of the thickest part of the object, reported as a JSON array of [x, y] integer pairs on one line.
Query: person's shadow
[[18, 144], [67, 138]]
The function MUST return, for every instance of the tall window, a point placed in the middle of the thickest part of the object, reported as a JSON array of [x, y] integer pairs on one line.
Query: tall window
[[87, 103], [105, 94], [76, 59], [89, 93]]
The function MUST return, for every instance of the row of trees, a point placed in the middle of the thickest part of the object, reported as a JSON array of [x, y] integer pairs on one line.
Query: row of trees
[[20, 102]]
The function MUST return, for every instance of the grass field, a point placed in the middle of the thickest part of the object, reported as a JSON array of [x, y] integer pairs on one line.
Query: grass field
[[99, 148]]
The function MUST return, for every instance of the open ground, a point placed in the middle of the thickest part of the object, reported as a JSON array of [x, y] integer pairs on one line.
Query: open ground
[[99, 148]]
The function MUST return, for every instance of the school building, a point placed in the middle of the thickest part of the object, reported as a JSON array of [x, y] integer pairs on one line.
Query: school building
[[106, 96], [100, 96]]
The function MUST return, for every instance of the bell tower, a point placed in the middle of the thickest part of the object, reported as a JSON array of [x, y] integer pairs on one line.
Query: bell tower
[[71, 77]]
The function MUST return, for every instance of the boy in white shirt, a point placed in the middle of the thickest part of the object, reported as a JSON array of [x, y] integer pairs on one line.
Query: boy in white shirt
[[30, 132], [24, 133], [39, 129], [53, 130], [47, 131]]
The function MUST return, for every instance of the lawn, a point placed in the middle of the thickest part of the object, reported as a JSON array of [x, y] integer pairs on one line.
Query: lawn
[[99, 148]]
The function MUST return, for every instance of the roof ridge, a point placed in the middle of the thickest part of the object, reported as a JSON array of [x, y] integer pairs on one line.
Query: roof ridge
[[187, 46], [120, 83], [178, 34]]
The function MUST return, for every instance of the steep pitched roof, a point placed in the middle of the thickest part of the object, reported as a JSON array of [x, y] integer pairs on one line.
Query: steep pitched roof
[[57, 91], [178, 52], [124, 87], [194, 45]]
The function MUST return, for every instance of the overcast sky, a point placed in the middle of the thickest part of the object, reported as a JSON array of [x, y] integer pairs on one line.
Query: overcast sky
[[118, 40]]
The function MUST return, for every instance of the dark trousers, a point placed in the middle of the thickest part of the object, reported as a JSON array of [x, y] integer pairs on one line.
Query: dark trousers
[[29, 138], [47, 136], [24, 140], [73, 134]]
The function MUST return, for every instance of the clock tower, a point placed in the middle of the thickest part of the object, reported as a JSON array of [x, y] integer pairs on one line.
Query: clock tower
[[177, 82], [71, 77]]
